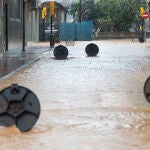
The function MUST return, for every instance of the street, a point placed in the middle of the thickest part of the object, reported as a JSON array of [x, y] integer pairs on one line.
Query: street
[[87, 103]]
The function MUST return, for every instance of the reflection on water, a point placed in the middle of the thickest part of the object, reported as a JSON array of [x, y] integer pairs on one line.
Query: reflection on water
[[91, 103]]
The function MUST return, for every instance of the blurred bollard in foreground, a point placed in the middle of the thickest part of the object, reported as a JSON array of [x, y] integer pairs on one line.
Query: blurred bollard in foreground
[[19, 106], [147, 89]]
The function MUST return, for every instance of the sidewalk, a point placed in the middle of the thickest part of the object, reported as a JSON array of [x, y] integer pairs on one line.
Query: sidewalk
[[16, 59]]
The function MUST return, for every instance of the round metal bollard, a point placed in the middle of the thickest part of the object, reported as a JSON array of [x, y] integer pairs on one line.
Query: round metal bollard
[[60, 52], [19, 106], [141, 39], [92, 49], [147, 89]]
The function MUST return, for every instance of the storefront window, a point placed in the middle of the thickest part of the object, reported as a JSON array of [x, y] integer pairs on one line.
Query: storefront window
[[11, 9], [18, 9]]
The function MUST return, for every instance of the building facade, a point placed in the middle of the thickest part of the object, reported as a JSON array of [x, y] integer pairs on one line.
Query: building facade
[[18, 19], [11, 24], [32, 17]]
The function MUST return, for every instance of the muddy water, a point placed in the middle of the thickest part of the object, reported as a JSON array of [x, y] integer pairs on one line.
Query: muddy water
[[87, 103]]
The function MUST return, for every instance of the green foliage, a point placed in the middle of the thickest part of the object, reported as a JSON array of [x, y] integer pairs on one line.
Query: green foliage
[[74, 9], [105, 24], [89, 10], [110, 15], [122, 13]]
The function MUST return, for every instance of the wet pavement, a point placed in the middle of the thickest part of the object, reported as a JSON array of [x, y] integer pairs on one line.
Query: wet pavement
[[88, 103], [15, 60]]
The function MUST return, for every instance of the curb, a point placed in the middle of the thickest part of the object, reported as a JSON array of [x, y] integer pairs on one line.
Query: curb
[[17, 70]]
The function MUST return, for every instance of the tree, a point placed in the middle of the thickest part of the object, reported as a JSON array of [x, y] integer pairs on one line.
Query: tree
[[110, 15], [89, 10], [74, 9], [121, 13]]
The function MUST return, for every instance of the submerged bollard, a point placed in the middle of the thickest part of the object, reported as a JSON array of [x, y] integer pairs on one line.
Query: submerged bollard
[[147, 89], [60, 52], [141, 39], [92, 49], [19, 106]]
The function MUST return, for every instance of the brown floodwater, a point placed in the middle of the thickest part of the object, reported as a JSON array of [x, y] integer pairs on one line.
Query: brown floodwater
[[87, 103]]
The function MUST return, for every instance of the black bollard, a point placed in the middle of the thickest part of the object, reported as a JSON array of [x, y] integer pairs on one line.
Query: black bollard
[[60, 52], [52, 41], [92, 50], [147, 89], [141, 39], [18, 106]]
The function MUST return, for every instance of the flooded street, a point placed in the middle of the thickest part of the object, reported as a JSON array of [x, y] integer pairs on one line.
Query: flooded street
[[87, 103]]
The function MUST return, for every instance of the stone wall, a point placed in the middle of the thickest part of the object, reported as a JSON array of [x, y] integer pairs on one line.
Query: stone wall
[[105, 35]]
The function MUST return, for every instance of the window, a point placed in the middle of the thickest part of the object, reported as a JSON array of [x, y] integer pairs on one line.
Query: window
[[18, 9], [11, 9]]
